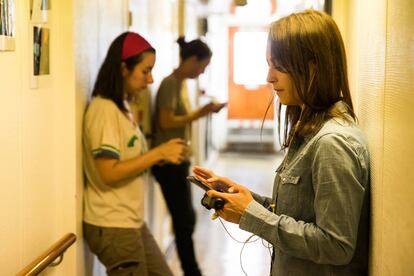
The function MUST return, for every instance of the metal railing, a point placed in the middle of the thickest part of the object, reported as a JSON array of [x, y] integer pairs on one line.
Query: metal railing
[[48, 258]]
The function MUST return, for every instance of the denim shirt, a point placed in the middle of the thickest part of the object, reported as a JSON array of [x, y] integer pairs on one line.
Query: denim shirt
[[318, 217]]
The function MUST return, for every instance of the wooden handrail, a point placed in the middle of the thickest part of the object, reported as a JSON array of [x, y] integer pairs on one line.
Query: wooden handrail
[[49, 256]]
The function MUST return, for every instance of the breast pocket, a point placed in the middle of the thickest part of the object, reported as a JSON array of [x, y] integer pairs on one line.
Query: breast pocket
[[290, 179], [290, 194]]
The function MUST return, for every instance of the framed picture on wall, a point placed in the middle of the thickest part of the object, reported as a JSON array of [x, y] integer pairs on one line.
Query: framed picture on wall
[[7, 25], [41, 38], [39, 11]]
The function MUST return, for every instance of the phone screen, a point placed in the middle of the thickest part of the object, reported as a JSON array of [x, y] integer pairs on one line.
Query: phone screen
[[200, 184]]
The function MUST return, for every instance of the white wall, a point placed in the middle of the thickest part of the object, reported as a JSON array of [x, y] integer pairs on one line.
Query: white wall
[[217, 84], [380, 40], [38, 175]]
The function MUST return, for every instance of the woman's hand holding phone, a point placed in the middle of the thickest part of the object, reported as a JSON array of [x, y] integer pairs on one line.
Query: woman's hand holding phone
[[237, 197]]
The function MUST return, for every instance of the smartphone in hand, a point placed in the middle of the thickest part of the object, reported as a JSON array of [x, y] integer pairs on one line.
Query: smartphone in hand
[[220, 187], [208, 202], [199, 183]]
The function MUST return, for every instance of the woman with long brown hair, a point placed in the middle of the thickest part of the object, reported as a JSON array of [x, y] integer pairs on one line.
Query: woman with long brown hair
[[317, 218]]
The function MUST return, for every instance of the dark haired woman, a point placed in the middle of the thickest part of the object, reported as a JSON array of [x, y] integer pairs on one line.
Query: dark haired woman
[[173, 118], [317, 219], [116, 160]]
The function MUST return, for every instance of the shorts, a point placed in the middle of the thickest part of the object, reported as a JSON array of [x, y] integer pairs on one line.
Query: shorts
[[126, 251]]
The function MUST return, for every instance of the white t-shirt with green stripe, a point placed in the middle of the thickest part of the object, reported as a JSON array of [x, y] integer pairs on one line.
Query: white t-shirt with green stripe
[[107, 132]]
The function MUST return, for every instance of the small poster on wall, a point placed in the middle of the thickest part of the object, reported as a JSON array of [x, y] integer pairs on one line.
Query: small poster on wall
[[39, 11], [7, 25], [41, 38]]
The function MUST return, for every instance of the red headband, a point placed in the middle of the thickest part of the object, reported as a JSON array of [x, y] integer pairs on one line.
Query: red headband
[[134, 44]]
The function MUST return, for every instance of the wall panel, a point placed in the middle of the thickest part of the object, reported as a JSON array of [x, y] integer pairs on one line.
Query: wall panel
[[370, 102], [38, 183], [11, 181], [381, 44], [398, 189]]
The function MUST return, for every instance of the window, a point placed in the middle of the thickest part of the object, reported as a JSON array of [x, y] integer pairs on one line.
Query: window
[[249, 61]]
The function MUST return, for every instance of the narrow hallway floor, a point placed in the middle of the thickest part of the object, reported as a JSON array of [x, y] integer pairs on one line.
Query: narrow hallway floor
[[218, 254]]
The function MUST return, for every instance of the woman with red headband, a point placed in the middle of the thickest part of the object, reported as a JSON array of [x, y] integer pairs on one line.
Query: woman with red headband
[[116, 160]]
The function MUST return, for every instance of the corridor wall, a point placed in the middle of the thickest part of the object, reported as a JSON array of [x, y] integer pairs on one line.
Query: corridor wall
[[380, 41], [38, 165]]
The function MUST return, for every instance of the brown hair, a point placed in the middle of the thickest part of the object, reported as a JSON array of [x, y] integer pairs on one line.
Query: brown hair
[[309, 47], [109, 82]]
